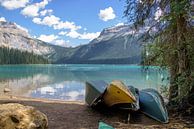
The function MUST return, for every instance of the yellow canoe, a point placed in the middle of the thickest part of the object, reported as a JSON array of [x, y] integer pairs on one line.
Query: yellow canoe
[[118, 93]]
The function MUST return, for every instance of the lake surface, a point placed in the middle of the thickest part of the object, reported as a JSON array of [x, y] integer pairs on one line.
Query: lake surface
[[67, 82]]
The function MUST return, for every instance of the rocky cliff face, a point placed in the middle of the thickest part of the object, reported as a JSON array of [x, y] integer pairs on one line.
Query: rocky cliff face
[[14, 37], [113, 33]]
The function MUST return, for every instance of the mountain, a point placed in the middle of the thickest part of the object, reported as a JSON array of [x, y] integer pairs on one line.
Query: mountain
[[13, 36], [115, 45]]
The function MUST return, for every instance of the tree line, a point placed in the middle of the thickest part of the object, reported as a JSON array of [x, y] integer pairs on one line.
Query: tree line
[[14, 56], [173, 43]]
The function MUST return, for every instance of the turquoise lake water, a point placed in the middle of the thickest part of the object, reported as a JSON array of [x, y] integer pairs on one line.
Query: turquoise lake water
[[67, 82]]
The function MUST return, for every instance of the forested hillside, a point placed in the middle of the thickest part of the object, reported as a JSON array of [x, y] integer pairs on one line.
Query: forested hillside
[[14, 56], [172, 46]]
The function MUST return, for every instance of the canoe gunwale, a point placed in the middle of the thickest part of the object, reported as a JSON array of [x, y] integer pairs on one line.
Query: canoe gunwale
[[155, 118]]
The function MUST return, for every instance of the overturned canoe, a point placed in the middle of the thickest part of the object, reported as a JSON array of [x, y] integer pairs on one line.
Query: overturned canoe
[[118, 94], [134, 106], [152, 104], [103, 125], [94, 91]]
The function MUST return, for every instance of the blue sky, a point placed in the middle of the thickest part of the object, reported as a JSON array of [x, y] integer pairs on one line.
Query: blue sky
[[63, 22]]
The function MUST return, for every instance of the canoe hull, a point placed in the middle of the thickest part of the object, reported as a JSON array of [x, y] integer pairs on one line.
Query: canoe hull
[[152, 105], [93, 92], [117, 93]]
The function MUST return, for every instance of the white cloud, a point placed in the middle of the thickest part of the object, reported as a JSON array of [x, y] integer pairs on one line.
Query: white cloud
[[56, 23], [37, 20], [66, 25], [62, 42], [54, 39], [2, 19], [33, 9], [107, 14], [89, 36], [119, 24], [30, 11], [45, 12], [43, 3], [73, 34], [62, 33], [48, 20], [48, 38], [13, 4]]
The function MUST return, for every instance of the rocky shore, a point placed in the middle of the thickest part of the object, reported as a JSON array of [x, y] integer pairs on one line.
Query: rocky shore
[[71, 115]]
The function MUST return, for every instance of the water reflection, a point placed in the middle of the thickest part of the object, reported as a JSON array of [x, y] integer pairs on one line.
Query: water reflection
[[66, 82], [67, 90]]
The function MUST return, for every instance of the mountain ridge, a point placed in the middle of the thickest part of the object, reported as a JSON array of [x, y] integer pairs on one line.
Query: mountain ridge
[[115, 45]]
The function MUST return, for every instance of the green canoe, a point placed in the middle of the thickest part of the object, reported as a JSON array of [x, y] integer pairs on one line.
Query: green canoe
[[152, 104], [103, 125], [94, 91]]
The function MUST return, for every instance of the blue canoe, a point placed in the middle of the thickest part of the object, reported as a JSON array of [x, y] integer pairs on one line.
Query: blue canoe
[[152, 105], [94, 91]]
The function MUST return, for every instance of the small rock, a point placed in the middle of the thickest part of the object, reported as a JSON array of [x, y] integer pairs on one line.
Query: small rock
[[17, 116], [7, 90]]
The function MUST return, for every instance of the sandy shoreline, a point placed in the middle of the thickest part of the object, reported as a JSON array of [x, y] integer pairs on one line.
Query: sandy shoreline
[[77, 115]]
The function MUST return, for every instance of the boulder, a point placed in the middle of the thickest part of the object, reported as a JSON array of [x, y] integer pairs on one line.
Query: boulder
[[17, 116], [7, 90]]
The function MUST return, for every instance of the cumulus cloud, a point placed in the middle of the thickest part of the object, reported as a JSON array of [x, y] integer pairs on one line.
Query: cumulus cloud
[[107, 14], [13, 4], [56, 23], [73, 34], [61, 42], [48, 20], [45, 12], [66, 25], [89, 36], [37, 20], [62, 33], [48, 38], [33, 9], [2, 19], [30, 11]]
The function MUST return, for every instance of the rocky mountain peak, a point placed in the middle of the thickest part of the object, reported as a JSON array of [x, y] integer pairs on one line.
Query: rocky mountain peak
[[113, 33], [15, 36], [116, 29], [13, 28]]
